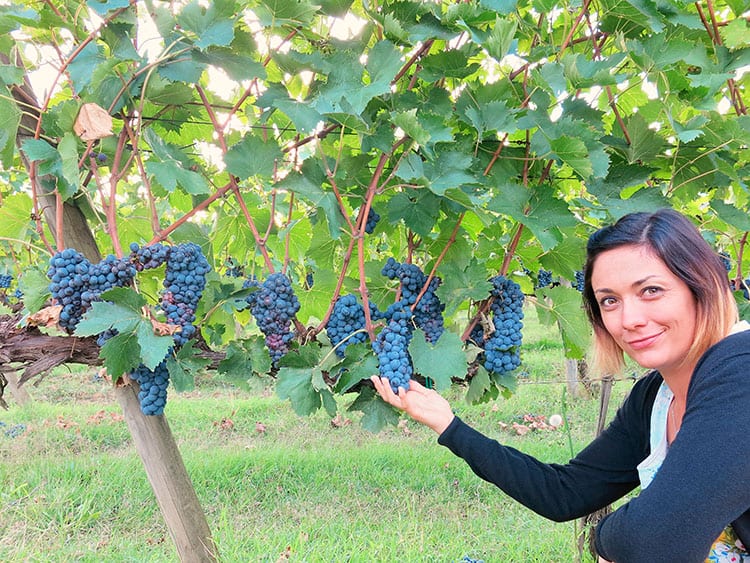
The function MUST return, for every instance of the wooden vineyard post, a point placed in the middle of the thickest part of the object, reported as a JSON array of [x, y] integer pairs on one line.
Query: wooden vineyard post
[[169, 479]]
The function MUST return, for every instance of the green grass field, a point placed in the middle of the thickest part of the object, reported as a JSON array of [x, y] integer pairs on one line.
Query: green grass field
[[72, 487]]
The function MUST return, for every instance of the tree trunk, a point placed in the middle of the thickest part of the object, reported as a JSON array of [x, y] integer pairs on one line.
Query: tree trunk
[[169, 479]]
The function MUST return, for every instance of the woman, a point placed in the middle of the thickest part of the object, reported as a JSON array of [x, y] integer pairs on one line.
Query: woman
[[656, 291]]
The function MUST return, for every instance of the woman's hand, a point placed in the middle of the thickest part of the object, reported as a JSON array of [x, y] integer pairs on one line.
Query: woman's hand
[[423, 405]]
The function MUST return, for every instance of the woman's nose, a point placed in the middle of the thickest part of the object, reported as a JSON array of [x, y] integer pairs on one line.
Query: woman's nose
[[633, 314]]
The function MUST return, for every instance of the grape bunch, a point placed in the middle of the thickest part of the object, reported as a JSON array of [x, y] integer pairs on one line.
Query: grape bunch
[[152, 393], [273, 305], [148, 257], [579, 280], [502, 346], [544, 278], [184, 282], [346, 324], [5, 281], [372, 221], [428, 312], [75, 283], [392, 348], [726, 260]]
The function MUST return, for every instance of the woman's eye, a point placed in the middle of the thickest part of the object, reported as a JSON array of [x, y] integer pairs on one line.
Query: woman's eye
[[651, 290], [607, 302]]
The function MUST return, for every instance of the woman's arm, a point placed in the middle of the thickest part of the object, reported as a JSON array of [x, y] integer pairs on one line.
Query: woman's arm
[[603, 472]]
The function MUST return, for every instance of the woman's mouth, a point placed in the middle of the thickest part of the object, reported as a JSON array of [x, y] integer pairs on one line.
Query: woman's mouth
[[641, 343]]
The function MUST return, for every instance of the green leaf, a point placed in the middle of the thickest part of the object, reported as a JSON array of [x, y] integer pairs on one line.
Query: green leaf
[[296, 385], [183, 366], [253, 156], [419, 210], [35, 287], [738, 218], [10, 118], [212, 25], [121, 354], [153, 348], [376, 413], [567, 312], [81, 68], [102, 7], [359, 363], [408, 121], [573, 152], [501, 38], [105, 315], [481, 388], [171, 174], [68, 149], [440, 362], [450, 169], [452, 63], [280, 12], [463, 284], [15, 213]]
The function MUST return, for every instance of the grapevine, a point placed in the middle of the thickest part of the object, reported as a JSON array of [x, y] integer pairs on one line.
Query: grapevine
[[274, 305]]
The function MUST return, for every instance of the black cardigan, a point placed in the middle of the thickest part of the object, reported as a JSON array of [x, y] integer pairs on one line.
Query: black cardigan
[[703, 484]]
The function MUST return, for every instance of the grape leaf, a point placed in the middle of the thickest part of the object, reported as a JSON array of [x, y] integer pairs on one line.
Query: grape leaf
[[441, 361], [565, 310], [183, 366], [105, 315], [376, 413], [296, 385], [121, 354], [481, 389]]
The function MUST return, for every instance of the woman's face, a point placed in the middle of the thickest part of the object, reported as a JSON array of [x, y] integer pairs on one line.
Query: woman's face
[[650, 312]]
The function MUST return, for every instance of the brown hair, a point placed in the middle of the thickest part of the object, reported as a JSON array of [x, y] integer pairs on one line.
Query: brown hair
[[676, 241]]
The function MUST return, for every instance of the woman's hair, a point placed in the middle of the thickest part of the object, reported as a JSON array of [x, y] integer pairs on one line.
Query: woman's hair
[[675, 240]]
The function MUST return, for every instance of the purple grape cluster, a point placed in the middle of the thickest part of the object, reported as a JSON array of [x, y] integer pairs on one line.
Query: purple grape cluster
[[543, 278], [75, 283], [346, 324], [428, 313], [392, 348], [273, 305], [503, 346], [148, 257], [5, 281], [372, 221], [726, 260], [152, 393], [184, 282], [579, 280]]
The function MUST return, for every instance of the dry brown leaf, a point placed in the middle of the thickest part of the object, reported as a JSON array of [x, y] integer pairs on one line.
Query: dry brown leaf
[[260, 428], [520, 429], [338, 421], [47, 317], [164, 329], [93, 122]]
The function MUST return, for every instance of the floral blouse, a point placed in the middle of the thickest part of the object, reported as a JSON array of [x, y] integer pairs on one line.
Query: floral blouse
[[727, 548]]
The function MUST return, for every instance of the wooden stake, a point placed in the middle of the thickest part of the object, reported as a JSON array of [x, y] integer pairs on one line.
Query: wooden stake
[[169, 479]]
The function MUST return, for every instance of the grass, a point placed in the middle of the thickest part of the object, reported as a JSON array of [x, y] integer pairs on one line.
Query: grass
[[73, 489]]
